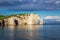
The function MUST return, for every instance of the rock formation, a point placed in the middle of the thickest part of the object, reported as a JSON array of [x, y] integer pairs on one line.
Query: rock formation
[[22, 20]]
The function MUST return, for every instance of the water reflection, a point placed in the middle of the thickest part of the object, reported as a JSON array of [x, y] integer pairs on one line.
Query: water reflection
[[25, 32], [30, 32]]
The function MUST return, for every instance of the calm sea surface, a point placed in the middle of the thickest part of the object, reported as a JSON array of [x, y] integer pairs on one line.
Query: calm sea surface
[[30, 32]]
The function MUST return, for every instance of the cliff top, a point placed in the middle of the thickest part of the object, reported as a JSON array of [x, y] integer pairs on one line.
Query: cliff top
[[15, 15]]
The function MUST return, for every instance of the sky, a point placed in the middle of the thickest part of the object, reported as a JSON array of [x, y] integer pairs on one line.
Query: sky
[[41, 7], [30, 4]]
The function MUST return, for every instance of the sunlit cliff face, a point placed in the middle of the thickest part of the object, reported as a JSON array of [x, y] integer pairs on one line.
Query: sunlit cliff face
[[33, 19], [24, 19]]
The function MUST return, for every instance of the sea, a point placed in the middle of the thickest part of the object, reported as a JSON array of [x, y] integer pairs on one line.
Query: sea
[[30, 32]]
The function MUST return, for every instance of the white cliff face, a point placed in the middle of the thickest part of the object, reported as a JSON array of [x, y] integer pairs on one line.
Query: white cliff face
[[11, 21], [33, 19], [26, 19], [29, 21]]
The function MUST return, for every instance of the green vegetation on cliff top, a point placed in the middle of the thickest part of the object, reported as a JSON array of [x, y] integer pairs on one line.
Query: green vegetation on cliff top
[[3, 16]]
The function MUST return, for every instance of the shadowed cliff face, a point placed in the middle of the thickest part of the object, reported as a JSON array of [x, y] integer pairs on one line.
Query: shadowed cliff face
[[3, 23], [16, 22], [0, 23], [22, 20]]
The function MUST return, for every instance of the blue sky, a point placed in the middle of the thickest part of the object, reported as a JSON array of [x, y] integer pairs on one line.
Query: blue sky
[[41, 7], [40, 13]]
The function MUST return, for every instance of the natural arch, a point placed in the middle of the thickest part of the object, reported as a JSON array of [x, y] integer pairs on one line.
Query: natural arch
[[40, 20]]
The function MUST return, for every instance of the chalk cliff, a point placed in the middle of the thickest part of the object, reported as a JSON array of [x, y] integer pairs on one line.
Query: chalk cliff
[[23, 19]]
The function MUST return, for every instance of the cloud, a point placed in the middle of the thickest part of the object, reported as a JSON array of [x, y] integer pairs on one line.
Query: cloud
[[52, 17], [57, 2], [52, 20], [34, 0], [30, 4]]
